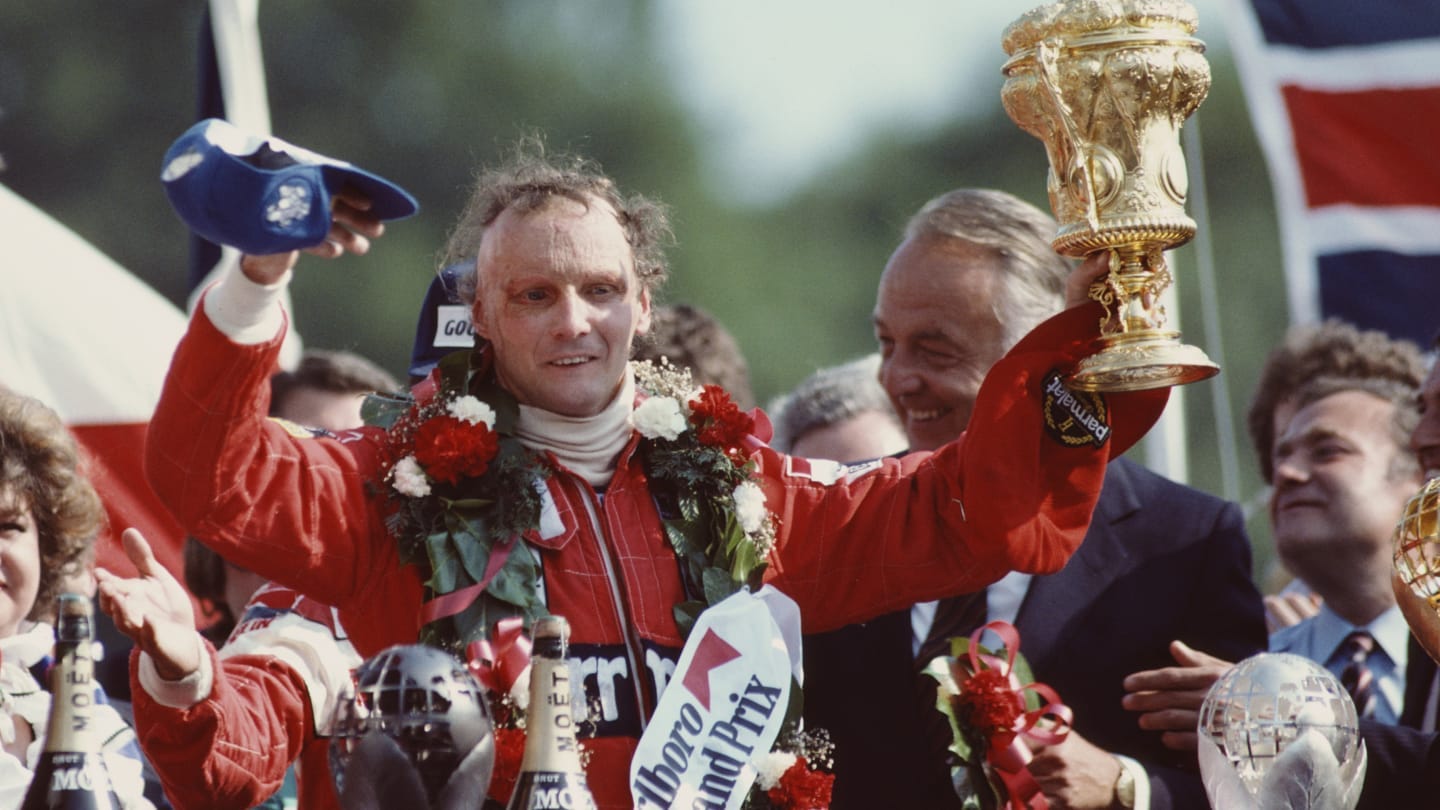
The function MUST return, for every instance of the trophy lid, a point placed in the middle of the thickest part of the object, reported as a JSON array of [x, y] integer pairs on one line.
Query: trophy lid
[[1068, 21]]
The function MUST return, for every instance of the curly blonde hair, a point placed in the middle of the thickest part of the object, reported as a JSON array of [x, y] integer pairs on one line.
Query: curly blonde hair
[[40, 468], [528, 180], [1326, 358]]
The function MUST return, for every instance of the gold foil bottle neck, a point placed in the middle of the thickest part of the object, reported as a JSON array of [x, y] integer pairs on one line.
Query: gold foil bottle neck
[[551, 627]]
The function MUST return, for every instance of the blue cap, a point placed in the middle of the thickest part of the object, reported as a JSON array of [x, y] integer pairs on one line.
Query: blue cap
[[264, 195], [444, 326]]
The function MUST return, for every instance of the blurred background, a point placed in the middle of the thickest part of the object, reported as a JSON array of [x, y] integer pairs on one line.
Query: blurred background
[[792, 140]]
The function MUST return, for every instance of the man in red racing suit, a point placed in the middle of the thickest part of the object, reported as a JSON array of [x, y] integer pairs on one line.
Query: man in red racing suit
[[1014, 492]]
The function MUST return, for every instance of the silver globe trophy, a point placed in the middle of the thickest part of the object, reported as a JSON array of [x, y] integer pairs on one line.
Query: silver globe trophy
[[1279, 732], [415, 733]]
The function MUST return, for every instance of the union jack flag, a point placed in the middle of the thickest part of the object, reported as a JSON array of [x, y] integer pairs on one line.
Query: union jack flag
[[1345, 98]]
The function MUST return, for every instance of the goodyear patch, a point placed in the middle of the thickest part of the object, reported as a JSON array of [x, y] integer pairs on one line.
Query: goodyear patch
[[452, 326], [1074, 418]]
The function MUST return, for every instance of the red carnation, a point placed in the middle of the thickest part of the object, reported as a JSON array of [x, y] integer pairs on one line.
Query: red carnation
[[450, 449], [509, 749], [718, 419], [801, 788], [988, 703]]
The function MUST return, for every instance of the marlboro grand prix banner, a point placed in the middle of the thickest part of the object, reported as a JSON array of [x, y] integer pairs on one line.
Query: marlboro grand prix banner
[[723, 707]]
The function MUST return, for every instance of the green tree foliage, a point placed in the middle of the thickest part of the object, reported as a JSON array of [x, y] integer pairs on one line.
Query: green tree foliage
[[92, 94]]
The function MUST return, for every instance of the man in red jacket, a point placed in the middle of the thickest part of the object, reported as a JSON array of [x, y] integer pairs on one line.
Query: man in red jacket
[[222, 728], [285, 661], [564, 271]]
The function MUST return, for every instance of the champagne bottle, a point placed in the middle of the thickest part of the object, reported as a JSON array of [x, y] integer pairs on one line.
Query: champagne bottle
[[71, 773], [550, 770]]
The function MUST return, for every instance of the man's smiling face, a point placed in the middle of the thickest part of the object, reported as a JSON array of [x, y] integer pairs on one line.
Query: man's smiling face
[[936, 324], [1341, 481]]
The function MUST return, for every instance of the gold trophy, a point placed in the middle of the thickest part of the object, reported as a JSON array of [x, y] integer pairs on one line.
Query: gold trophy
[[1106, 85]]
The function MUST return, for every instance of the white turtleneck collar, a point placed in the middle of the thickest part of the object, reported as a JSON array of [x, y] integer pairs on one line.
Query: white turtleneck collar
[[586, 445]]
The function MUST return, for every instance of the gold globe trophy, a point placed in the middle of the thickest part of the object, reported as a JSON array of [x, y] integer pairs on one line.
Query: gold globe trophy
[[1417, 566], [1106, 84]]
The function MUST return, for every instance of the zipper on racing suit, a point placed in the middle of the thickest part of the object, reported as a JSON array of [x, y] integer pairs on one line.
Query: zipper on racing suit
[[633, 649]]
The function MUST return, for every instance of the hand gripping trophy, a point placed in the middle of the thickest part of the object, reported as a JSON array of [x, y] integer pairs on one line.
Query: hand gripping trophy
[[1106, 85]]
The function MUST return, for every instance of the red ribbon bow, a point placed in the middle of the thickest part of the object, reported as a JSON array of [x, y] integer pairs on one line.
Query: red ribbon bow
[[498, 664], [451, 603], [1008, 754]]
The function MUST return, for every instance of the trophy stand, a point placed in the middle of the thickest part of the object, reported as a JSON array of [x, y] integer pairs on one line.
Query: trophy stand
[[1106, 84]]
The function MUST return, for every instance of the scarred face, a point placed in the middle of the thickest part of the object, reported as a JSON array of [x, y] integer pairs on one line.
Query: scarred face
[[939, 334], [558, 298]]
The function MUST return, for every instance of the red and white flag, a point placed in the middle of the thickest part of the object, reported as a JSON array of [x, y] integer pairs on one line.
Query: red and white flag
[[84, 336], [1345, 98]]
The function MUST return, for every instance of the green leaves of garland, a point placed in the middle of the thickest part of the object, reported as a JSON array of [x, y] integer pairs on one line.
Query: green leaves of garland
[[477, 528], [697, 482], [454, 532]]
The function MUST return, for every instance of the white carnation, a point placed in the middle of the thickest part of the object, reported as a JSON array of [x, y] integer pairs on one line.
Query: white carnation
[[472, 410], [659, 417], [770, 767], [750, 507], [409, 479]]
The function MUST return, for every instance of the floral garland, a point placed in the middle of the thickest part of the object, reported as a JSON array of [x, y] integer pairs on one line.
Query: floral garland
[[466, 493], [702, 477], [466, 496]]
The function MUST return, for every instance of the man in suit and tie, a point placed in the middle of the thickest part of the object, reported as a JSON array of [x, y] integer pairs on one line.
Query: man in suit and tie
[[1331, 422], [1296, 399], [1161, 561]]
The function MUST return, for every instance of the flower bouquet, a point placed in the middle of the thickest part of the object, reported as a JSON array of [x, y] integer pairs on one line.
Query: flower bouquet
[[466, 498], [994, 705]]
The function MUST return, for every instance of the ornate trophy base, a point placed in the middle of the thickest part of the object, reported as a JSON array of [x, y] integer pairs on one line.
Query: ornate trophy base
[[1139, 360]]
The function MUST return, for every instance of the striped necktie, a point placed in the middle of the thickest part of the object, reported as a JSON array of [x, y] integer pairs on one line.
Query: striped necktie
[[1356, 677]]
